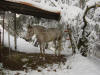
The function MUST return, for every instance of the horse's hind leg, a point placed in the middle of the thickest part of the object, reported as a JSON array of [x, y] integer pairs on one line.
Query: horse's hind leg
[[44, 44], [43, 51], [55, 47], [59, 46]]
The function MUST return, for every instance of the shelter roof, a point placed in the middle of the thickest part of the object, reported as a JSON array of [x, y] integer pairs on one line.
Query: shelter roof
[[28, 8]]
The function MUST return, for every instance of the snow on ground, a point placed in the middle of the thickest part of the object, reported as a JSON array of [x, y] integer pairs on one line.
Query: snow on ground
[[84, 66], [76, 65]]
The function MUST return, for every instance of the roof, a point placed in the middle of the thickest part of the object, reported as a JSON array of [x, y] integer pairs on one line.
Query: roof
[[28, 9]]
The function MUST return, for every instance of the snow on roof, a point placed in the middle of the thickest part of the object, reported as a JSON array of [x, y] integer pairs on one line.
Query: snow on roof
[[37, 5]]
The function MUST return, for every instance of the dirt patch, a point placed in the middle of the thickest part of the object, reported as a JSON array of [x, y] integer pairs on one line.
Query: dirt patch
[[21, 61]]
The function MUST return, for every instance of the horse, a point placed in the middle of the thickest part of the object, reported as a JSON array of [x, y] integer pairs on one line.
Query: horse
[[33, 30], [51, 34], [44, 36]]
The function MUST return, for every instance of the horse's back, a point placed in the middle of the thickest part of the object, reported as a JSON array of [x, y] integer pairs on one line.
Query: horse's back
[[39, 29], [55, 31]]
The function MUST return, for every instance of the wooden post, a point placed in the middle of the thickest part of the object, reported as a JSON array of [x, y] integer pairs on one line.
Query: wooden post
[[9, 39], [3, 29], [2, 42], [15, 37], [0, 39], [0, 47]]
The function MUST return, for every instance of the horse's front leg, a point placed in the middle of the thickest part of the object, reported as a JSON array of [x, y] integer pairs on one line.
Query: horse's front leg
[[44, 44], [40, 49], [44, 50]]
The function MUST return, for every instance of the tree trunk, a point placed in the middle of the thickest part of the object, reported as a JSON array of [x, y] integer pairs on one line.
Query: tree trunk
[[82, 3], [68, 2], [71, 40]]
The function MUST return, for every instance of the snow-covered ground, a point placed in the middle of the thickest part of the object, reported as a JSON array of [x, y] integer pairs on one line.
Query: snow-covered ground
[[75, 65]]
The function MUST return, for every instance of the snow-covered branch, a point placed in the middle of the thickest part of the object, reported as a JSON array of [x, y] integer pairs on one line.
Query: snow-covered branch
[[85, 13]]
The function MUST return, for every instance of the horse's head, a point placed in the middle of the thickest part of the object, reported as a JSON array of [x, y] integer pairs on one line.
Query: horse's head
[[29, 33]]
